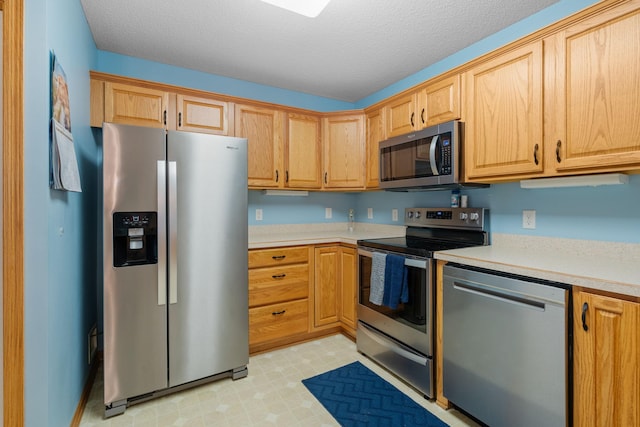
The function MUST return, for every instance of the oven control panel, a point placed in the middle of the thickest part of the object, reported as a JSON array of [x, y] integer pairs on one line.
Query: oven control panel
[[465, 218]]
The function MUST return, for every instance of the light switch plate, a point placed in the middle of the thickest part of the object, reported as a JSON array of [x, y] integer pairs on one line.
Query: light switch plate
[[529, 219], [370, 213], [327, 213], [258, 214], [394, 214]]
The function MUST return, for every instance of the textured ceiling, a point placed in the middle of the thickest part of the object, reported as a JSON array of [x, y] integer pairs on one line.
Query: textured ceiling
[[351, 50]]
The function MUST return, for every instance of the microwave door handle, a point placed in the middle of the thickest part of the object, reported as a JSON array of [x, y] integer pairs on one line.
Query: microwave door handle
[[432, 155]]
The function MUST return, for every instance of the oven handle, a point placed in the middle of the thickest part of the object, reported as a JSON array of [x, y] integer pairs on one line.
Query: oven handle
[[393, 346], [409, 262]]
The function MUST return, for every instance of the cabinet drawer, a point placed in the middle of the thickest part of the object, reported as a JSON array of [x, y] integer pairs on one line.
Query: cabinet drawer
[[278, 321], [278, 256], [275, 284]]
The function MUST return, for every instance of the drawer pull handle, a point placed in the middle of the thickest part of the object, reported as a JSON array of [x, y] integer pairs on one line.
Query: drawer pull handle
[[279, 276], [535, 154], [585, 307], [278, 257], [277, 313], [558, 146]]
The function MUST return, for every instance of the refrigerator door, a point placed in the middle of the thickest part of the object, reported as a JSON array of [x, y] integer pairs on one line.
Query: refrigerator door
[[135, 311], [208, 247]]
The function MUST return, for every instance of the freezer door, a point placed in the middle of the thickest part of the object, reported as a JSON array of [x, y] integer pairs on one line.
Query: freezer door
[[208, 244], [135, 314]]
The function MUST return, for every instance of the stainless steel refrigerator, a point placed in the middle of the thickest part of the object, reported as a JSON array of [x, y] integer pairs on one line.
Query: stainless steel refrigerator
[[175, 261]]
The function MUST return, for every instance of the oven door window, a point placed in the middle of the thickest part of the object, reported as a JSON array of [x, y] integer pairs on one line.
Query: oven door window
[[414, 312]]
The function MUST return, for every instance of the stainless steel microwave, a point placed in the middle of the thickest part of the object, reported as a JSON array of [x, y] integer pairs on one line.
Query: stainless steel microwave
[[427, 159]]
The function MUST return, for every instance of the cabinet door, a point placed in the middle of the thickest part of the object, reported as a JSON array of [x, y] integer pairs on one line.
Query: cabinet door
[[441, 102], [133, 105], [327, 276], [401, 116], [606, 361], [375, 134], [595, 93], [264, 130], [202, 115], [344, 157], [503, 122], [303, 152], [348, 286]]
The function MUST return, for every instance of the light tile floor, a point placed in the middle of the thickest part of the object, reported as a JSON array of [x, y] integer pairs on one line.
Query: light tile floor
[[271, 395]]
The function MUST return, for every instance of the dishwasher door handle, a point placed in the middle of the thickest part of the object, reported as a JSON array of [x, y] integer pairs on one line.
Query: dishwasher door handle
[[499, 296]]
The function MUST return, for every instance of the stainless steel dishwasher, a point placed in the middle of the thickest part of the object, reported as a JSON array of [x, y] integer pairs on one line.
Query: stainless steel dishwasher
[[506, 347]]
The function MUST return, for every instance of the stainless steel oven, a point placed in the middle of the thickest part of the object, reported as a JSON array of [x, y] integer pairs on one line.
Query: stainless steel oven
[[400, 336]]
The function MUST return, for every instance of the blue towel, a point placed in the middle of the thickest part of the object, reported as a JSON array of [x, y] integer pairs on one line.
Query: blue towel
[[378, 263], [396, 285]]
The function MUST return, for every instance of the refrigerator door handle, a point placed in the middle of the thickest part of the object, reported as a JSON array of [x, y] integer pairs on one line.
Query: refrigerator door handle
[[173, 233], [161, 168]]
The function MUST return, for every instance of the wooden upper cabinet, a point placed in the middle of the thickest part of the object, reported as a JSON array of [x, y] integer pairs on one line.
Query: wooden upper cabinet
[[204, 115], [441, 101], [264, 130], [134, 105], [401, 115], [593, 93], [431, 104], [344, 151], [606, 361], [375, 134], [303, 152], [503, 120]]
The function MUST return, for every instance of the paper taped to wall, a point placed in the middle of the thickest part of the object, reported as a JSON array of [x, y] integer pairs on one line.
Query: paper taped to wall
[[63, 159]]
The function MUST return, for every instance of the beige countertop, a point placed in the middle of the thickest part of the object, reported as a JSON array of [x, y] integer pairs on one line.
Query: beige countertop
[[607, 266], [270, 236]]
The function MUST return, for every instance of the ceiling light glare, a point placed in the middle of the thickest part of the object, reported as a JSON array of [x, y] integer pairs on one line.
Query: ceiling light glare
[[310, 8]]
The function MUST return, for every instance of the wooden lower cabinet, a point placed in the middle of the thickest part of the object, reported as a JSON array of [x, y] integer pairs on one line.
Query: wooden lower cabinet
[[327, 274], [279, 320], [335, 287], [606, 361], [279, 296], [301, 292], [349, 288]]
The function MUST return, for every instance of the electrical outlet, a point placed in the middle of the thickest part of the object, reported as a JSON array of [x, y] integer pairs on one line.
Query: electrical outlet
[[328, 213], [370, 213], [258, 214], [394, 214], [529, 219]]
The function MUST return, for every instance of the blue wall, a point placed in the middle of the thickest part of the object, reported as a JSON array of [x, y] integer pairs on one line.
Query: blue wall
[[606, 213], [113, 63], [60, 227]]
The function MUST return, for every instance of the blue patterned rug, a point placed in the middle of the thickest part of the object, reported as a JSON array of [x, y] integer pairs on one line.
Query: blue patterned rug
[[357, 397]]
